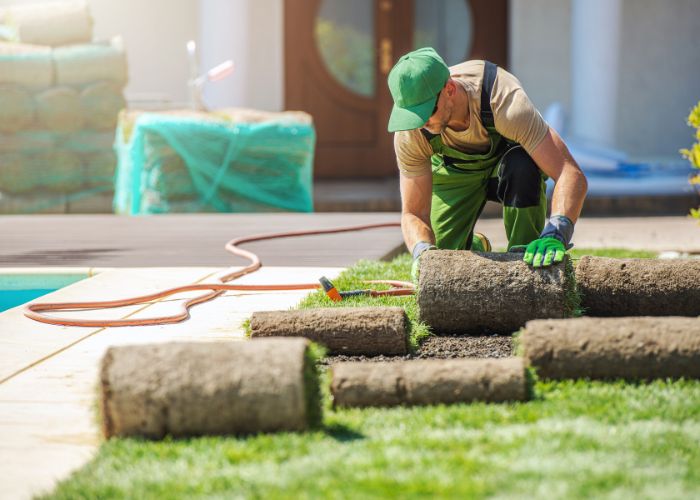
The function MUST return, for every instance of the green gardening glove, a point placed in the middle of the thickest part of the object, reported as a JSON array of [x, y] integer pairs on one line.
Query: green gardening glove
[[552, 244], [544, 252], [418, 250]]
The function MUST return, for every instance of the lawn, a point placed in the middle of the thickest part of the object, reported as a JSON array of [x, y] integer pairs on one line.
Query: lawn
[[577, 439]]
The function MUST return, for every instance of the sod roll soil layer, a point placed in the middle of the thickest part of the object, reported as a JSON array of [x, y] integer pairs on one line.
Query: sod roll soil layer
[[473, 293], [366, 331], [184, 389], [637, 348], [428, 382], [639, 287]]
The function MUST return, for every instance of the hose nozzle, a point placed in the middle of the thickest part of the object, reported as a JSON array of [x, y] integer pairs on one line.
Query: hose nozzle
[[330, 289]]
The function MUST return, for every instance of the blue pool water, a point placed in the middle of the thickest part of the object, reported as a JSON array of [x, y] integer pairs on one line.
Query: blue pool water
[[13, 298], [17, 288]]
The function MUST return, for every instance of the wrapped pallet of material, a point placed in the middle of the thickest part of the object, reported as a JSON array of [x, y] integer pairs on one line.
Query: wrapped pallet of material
[[17, 109], [101, 103], [28, 66], [207, 162], [58, 110], [99, 168], [62, 171], [53, 24], [29, 141], [13, 177], [79, 65]]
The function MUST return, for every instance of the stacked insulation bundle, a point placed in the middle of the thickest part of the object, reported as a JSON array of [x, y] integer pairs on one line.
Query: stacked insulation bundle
[[60, 96], [234, 160]]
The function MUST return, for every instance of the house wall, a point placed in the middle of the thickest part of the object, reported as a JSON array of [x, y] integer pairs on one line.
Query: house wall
[[540, 49], [658, 73], [250, 33]]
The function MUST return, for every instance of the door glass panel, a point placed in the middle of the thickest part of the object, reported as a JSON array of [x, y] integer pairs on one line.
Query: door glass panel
[[344, 33], [445, 25]]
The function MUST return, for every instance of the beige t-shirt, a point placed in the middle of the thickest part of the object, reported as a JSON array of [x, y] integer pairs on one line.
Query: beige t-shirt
[[515, 117]]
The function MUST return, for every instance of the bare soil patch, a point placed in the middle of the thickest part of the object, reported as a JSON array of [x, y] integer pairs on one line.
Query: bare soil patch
[[447, 347]]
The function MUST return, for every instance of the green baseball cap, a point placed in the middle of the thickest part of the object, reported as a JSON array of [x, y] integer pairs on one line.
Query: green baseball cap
[[414, 82]]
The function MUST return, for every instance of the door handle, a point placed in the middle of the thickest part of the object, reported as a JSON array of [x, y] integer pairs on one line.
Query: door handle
[[386, 56]]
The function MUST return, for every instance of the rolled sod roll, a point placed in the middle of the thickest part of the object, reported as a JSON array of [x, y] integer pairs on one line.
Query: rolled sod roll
[[429, 382], [639, 287], [475, 293], [58, 109], [28, 65], [367, 331], [16, 109], [56, 23], [93, 62], [59, 171], [184, 389], [27, 142], [607, 348], [16, 174], [99, 168], [101, 103]]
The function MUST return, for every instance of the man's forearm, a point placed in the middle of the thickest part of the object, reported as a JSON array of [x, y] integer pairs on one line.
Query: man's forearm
[[569, 193], [414, 230]]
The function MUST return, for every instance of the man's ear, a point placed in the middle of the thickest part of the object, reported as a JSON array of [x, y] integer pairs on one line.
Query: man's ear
[[450, 87]]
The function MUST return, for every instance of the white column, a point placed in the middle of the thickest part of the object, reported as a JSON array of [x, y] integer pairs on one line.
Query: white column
[[224, 34], [595, 45]]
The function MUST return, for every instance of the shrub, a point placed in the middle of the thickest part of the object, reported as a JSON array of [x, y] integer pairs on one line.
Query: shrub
[[693, 154]]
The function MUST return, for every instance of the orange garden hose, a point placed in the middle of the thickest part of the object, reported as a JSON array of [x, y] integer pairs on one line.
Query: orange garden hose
[[32, 311]]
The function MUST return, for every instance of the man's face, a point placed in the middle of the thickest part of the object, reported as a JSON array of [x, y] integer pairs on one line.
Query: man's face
[[437, 122]]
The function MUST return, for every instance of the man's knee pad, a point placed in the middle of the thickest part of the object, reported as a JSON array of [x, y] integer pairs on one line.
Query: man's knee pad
[[519, 179]]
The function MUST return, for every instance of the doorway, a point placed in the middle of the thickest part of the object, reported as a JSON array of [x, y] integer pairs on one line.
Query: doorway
[[338, 54]]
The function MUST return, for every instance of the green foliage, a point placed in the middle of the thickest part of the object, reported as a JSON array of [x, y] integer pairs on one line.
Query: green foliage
[[693, 154]]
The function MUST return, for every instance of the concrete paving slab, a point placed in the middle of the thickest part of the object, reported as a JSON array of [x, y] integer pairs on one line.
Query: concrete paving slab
[[23, 342], [681, 234], [189, 239], [47, 412]]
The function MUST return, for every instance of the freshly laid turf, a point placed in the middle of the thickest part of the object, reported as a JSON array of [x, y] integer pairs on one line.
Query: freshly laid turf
[[577, 439]]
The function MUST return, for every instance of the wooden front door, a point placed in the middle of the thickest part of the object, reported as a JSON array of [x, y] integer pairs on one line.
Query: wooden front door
[[338, 54]]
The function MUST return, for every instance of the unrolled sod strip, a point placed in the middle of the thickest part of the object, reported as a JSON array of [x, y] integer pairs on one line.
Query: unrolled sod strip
[[429, 382], [184, 389], [639, 287], [474, 293], [342, 330], [634, 348]]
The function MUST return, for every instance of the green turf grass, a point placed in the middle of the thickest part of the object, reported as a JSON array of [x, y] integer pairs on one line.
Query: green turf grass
[[576, 439]]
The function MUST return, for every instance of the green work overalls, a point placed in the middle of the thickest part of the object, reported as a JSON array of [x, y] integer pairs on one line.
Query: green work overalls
[[462, 183]]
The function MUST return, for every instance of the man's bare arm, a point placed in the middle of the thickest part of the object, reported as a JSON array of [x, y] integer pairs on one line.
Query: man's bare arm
[[416, 196], [553, 158]]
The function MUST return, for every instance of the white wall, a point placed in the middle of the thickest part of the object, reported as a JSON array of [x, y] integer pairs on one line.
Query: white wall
[[659, 75], [251, 33], [540, 55], [658, 67]]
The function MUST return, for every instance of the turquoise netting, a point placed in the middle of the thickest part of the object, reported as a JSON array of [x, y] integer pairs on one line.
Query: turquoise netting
[[170, 163]]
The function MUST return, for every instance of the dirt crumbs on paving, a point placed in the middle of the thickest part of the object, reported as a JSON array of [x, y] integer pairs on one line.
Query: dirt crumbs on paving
[[447, 347]]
